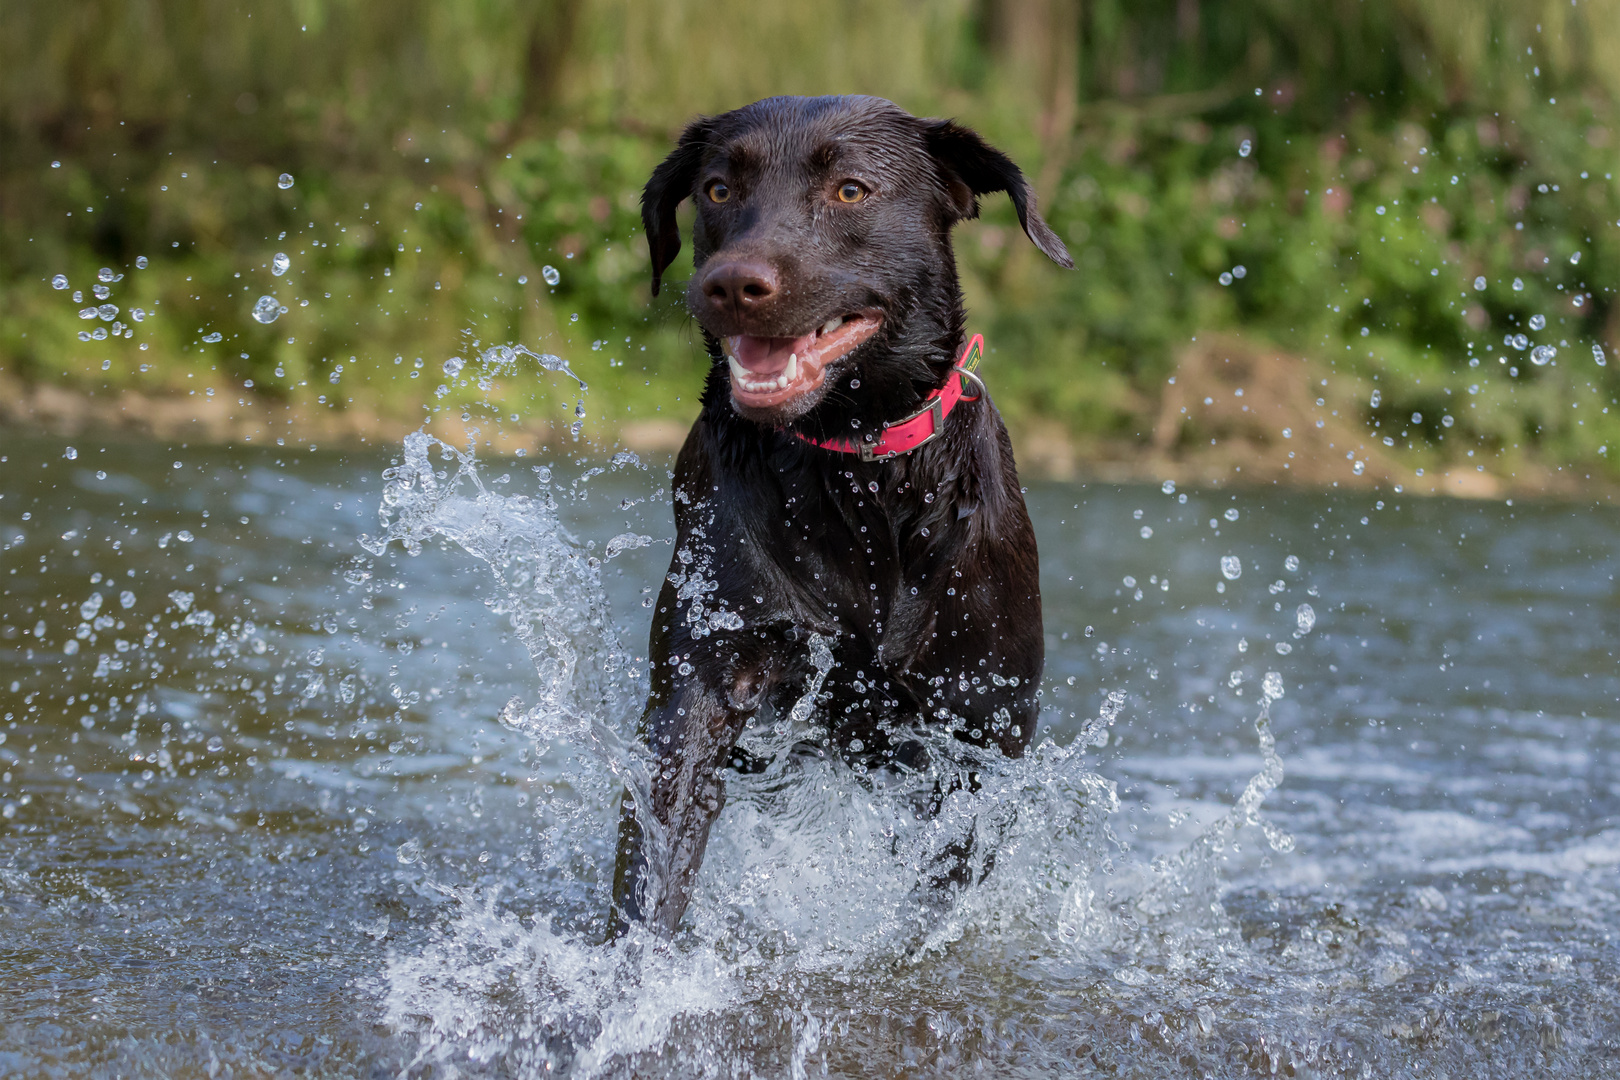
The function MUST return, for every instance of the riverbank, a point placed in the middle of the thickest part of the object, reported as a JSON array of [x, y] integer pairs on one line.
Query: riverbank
[[1264, 420]]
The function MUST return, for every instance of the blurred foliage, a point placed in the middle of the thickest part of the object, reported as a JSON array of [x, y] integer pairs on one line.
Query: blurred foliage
[[1365, 162]]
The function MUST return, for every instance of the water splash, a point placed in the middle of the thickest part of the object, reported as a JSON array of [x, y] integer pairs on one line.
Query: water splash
[[821, 876], [268, 310], [501, 359]]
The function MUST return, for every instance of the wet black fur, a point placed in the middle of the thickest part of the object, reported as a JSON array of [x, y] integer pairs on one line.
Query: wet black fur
[[922, 569]]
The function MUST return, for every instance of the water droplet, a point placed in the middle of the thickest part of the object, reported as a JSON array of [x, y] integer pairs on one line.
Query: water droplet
[[1376, 398], [1542, 355], [107, 312], [1147, 532], [1359, 467], [579, 409], [408, 852], [1479, 284], [1538, 322], [1231, 513], [1447, 421], [1271, 685], [1283, 648], [549, 273], [1235, 679], [216, 744], [1305, 616], [106, 274], [1417, 418], [1168, 487], [1518, 341], [453, 366], [1245, 148], [71, 454], [60, 281], [1518, 284], [215, 336], [268, 310], [1231, 567], [1240, 272], [284, 181], [1225, 278], [279, 263], [1598, 355], [140, 262]]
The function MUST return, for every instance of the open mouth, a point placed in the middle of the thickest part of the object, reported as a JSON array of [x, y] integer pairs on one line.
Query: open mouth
[[767, 372]]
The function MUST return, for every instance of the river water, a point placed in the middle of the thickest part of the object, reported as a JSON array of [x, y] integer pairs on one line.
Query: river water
[[281, 797]]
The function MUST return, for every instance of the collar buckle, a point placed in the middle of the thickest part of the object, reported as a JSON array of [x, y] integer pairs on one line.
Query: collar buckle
[[935, 406]]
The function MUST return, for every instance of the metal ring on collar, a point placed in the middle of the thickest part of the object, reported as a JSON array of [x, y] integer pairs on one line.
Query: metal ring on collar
[[966, 374]]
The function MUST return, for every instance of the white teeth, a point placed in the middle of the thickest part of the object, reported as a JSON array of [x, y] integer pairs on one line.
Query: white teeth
[[832, 324], [761, 385]]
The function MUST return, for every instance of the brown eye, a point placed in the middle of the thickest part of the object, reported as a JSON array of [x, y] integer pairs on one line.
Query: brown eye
[[851, 192], [718, 192]]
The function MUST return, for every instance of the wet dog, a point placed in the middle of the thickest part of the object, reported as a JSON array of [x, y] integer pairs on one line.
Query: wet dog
[[848, 481]]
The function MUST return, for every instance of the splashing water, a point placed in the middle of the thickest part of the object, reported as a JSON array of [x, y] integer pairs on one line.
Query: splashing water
[[499, 359], [268, 310], [821, 888]]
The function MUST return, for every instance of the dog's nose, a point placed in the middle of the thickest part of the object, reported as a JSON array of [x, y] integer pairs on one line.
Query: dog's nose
[[739, 285]]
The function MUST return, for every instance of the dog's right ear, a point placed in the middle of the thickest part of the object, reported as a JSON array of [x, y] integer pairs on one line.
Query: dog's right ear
[[670, 183]]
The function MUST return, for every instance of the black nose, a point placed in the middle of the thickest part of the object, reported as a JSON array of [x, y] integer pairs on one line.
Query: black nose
[[740, 286]]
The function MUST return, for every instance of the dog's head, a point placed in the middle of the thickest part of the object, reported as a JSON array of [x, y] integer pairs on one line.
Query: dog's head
[[822, 245]]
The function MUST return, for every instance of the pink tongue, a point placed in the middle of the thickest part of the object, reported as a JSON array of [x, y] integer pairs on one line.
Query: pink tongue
[[768, 356]]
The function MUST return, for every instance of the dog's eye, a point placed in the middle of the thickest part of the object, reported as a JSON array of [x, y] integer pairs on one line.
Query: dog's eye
[[718, 192], [850, 191]]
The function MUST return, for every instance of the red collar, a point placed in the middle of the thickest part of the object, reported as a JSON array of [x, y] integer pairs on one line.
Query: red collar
[[923, 426]]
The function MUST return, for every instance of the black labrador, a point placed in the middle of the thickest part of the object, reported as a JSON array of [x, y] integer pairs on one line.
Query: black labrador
[[847, 477]]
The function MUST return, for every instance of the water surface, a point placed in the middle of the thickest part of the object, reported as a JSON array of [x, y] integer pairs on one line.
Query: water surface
[[275, 804]]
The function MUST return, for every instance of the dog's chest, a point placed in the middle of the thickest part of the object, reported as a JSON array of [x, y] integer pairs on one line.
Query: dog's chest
[[857, 559]]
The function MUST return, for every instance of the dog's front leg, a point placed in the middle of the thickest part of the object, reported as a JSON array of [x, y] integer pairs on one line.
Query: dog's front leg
[[703, 692], [691, 737]]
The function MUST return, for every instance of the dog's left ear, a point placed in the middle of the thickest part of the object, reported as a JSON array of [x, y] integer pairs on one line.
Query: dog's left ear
[[972, 167], [669, 184]]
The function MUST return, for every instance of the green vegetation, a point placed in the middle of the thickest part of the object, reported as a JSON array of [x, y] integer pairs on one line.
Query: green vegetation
[[1363, 161]]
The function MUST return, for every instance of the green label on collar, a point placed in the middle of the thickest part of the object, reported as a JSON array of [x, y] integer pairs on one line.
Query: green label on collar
[[975, 353]]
